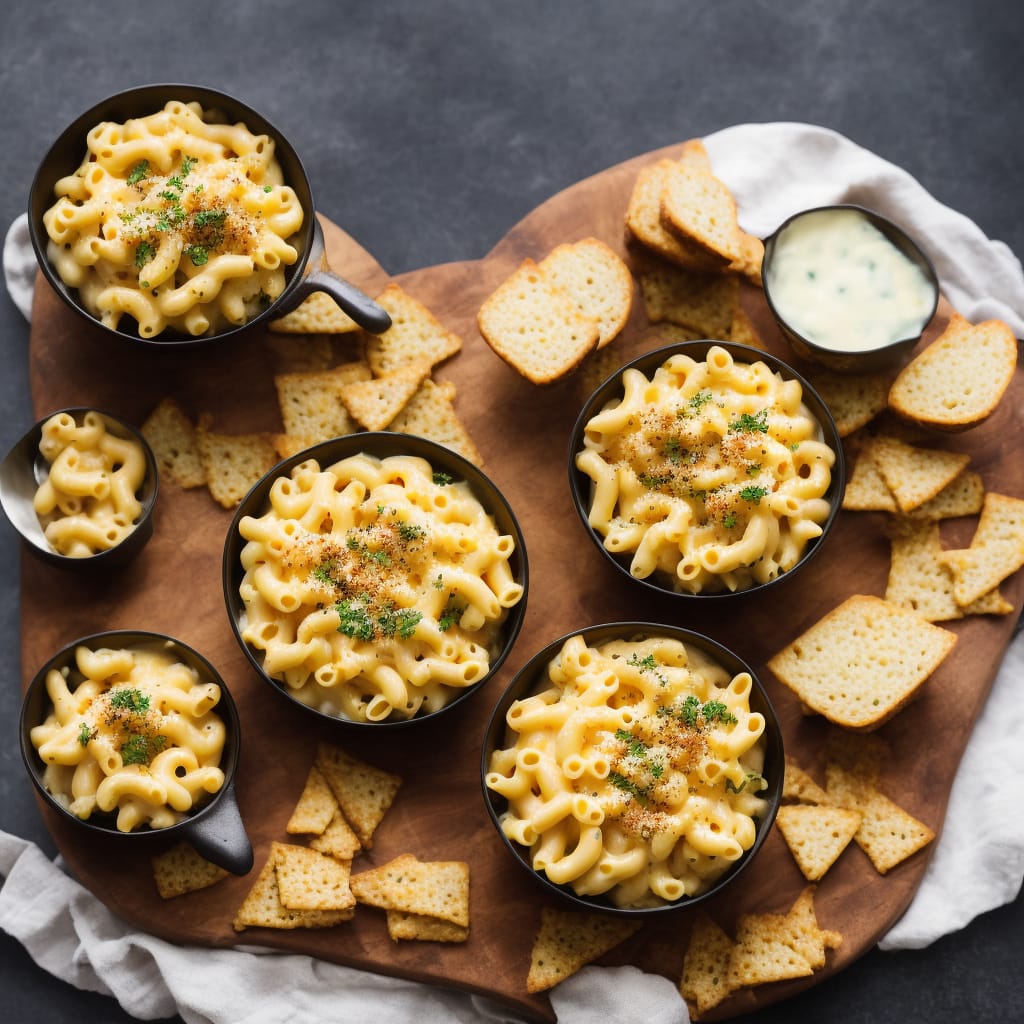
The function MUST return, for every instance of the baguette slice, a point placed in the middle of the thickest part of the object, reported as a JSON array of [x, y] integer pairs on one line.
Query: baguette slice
[[959, 379]]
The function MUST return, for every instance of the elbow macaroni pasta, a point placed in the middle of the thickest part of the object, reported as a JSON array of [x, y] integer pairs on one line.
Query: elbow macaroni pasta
[[374, 590], [87, 503], [131, 733], [633, 770], [174, 220], [711, 474]]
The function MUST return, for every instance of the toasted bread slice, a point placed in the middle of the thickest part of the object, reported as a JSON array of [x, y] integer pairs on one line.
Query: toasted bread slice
[[960, 378], [535, 327]]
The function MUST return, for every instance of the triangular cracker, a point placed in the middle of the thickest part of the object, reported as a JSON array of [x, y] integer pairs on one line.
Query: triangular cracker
[[310, 402], [337, 840], [437, 889], [816, 835], [915, 474], [233, 462], [316, 806], [375, 403], [172, 436], [181, 870], [706, 979], [568, 940], [430, 414], [798, 785], [364, 792], [762, 954]]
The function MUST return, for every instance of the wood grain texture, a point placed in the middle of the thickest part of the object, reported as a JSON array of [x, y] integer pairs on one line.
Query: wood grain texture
[[522, 432]]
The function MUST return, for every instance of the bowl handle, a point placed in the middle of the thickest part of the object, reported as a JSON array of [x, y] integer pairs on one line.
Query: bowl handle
[[220, 836], [357, 304]]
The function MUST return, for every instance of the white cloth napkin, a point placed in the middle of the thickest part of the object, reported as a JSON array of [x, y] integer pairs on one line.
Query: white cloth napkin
[[773, 170]]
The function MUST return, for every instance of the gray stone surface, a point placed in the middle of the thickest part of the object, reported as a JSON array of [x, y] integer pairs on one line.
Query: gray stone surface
[[429, 129]]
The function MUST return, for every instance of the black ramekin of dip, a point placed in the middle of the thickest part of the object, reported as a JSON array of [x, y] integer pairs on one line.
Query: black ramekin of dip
[[849, 289]]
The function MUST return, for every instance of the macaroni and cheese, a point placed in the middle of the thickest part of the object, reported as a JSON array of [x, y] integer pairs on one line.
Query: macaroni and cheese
[[88, 501], [175, 220], [131, 732], [633, 770], [375, 588], [712, 474]]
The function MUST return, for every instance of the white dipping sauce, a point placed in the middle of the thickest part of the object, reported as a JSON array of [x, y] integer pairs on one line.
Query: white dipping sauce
[[839, 282]]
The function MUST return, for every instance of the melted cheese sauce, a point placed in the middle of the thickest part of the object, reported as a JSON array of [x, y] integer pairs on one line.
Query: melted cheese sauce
[[839, 282]]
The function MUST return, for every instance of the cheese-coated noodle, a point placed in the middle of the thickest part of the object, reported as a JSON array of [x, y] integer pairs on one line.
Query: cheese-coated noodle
[[375, 590], [88, 501], [175, 220], [131, 732], [633, 771], [712, 475]]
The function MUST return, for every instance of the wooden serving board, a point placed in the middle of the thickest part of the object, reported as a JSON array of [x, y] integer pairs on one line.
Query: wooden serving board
[[522, 432]]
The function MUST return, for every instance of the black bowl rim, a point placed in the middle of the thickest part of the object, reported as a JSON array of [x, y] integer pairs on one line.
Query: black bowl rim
[[226, 707], [392, 443], [656, 357], [86, 120], [526, 679], [908, 245], [134, 541]]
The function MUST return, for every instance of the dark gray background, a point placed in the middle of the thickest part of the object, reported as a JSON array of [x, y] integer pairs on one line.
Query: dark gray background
[[430, 127]]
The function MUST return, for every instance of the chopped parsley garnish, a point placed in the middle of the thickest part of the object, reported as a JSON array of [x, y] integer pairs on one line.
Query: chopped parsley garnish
[[729, 520], [187, 164], [442, 479], [747, 424], [268, 188], [673, 450], [361, 622], [141, 749], [130, 700], [144, 252], [646, 664], [209, 218], [653, 481], [692, 711], [453, 610], [411, 531], [198, 254], [753, 494], [619, 781], [699, 400], [84, 734], [138, 172]]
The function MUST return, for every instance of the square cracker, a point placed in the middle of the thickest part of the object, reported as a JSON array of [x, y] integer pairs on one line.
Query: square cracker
[[316, 314], [181, 869], [310, 401], [568, 940], [996, 550], [415, 335], [309, 880], [364, 792], [233, 462], [172, 436], [861, 662], [706, 303], [853, 399], [262, 906], [920, 579], [438, 889]]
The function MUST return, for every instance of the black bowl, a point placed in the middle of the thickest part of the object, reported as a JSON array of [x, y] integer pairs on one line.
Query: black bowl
[[24, 469], [611, 390], [307, 275], [533, 675], [215, 830], [380, 445], [842, 361]]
